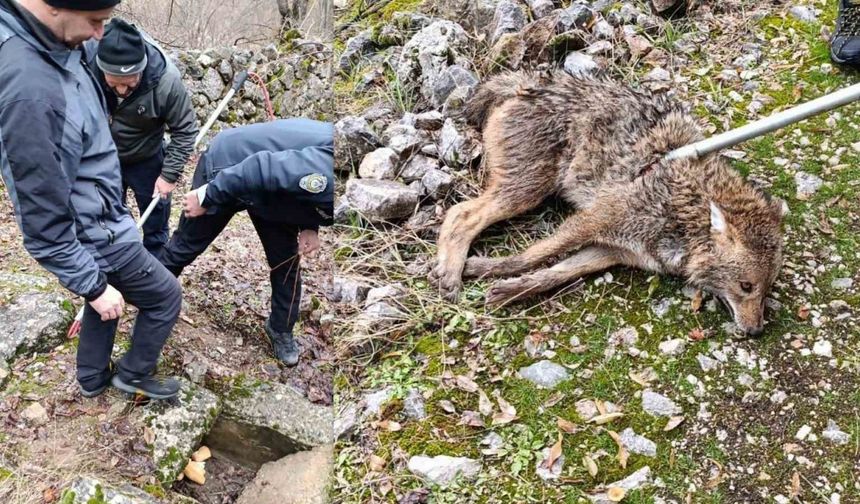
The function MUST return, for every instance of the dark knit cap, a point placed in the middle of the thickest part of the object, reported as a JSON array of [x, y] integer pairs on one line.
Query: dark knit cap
[[121, 49], [84, 5]]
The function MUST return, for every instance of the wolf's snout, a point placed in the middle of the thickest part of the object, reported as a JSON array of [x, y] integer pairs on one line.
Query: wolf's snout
[[755, 331]]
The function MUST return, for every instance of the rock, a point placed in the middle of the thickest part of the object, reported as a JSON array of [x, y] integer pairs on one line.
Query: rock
[[443, 470], [406, 142], [625, 337], [803, 13], [346, 421], [179, 426], [300, 478], [549, 473], [380, 164], [429, 52], [454, 80], [35, 414], [778, 397], [602, 30], [347, 290], [637, 444], [353, 139], [661, 307], [509, 51], [211, 86], [455, 147], [823, 348], [413, 405], [264, 421], [668, 7], [807, 184], [391, 293], [658, 75], [380, 315], [374, 401], [639, 45], [577, 16], [842, 283], [33, 322], [540, 8], [430, 121], [586, 409], [493, 442], [196, 371], [205, 60], [356, 47], [381, 200], [673, 347], [417, 167], [803, 432], [544, 374], [637, 480], [601, 47], [707, 363], [659, 405], [508, 18], [436, 183], [835, 435], [86, 490], [579, 64]]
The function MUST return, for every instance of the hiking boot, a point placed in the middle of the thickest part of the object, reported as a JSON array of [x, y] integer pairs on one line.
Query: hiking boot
[[149, 386], [101, 387], [284, 346], [845, 42]]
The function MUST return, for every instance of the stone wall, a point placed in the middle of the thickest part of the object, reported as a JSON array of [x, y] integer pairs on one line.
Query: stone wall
[[297, 76]]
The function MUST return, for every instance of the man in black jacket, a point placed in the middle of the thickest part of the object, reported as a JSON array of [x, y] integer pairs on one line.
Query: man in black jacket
[[282, 173], [146, 97]]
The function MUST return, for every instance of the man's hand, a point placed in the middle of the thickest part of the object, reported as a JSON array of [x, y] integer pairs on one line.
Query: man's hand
[[109, 305], [309, 242], [163, 188], [191, 206]]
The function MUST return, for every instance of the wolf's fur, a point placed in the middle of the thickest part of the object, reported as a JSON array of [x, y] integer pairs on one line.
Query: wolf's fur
[[599, 145]]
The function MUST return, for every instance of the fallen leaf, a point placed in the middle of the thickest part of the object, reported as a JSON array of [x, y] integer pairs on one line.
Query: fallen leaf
[[554, 453], [622, 451], [554, 399], [697, 334], [50, 495], [447, 406], [377, 463], [795, 485], [803, 312], [507, 414], [566, 425], [715, 480], [386, 487], [616, 494], [389, 425], [606, 418], [201, 455], [601, 406], [696, 302], [590, 465], [485, 406], [467, 384], [472, 419], [148, 436], [672, 423]]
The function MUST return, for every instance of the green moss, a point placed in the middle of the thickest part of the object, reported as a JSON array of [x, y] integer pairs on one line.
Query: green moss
[[155, 490], [167, 466], [68, 497], [99, 497]]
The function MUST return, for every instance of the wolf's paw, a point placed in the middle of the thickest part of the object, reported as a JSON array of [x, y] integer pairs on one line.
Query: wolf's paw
[[447, 282], [504, 291]]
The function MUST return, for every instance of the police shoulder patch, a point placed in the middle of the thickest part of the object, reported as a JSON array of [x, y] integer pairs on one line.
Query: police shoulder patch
[[313, 183]]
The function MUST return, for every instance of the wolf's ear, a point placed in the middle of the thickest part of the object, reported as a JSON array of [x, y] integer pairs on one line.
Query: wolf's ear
[[718, 220]]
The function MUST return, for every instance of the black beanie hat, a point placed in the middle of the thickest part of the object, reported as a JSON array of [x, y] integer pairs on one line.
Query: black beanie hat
[[121, 49], [84, 5]]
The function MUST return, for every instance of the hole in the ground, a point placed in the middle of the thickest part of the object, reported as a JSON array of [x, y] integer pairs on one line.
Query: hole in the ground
[[239, 450]]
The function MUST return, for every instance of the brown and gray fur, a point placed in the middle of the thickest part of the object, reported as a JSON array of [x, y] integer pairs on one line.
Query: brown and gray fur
[[599, 145]]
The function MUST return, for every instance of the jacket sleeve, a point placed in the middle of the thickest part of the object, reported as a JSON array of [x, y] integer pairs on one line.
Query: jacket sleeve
[[275, 172], [31, 138], [182, 124]]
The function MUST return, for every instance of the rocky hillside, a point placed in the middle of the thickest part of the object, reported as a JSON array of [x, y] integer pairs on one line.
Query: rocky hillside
[[624, 386]]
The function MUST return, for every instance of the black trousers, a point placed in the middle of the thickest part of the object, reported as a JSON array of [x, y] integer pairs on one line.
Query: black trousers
[[280, 242], [147, 285], [141, 177]]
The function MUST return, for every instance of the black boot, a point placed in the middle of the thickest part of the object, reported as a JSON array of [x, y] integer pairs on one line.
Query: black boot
[[101, 386], [845, 42], [284, 346], [149, 386]]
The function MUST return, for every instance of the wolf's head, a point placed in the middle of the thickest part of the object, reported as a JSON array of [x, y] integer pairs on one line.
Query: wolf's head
[[744, 255]]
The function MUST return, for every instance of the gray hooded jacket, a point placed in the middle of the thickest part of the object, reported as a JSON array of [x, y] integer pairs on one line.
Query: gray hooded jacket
[[57, 157]]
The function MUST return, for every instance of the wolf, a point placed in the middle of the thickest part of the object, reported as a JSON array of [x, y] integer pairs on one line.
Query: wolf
[[599, 145]]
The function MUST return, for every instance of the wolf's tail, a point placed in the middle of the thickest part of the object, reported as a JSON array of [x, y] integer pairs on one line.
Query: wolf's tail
[[493, 92]]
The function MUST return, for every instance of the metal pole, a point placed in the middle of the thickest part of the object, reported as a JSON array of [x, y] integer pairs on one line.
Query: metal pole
[[767, 124]]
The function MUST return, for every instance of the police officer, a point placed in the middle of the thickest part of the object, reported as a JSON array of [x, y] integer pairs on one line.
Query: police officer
[[61, 170], [146, 97], [282, 173]]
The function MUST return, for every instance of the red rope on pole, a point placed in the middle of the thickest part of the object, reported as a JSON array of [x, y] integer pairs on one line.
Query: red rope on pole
[[269, 110]]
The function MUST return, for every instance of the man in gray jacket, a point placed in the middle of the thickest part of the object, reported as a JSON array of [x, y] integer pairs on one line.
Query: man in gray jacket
[[61, 170], [146, 97]]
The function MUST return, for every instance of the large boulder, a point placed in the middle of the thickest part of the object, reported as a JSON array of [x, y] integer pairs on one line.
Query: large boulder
[[31, 319], [300, 478]]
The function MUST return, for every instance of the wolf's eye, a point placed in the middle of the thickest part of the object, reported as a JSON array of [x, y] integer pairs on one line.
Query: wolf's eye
[[746, 287]]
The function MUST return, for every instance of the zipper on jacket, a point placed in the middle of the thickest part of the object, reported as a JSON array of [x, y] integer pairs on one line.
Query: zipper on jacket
[[105, 211]]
